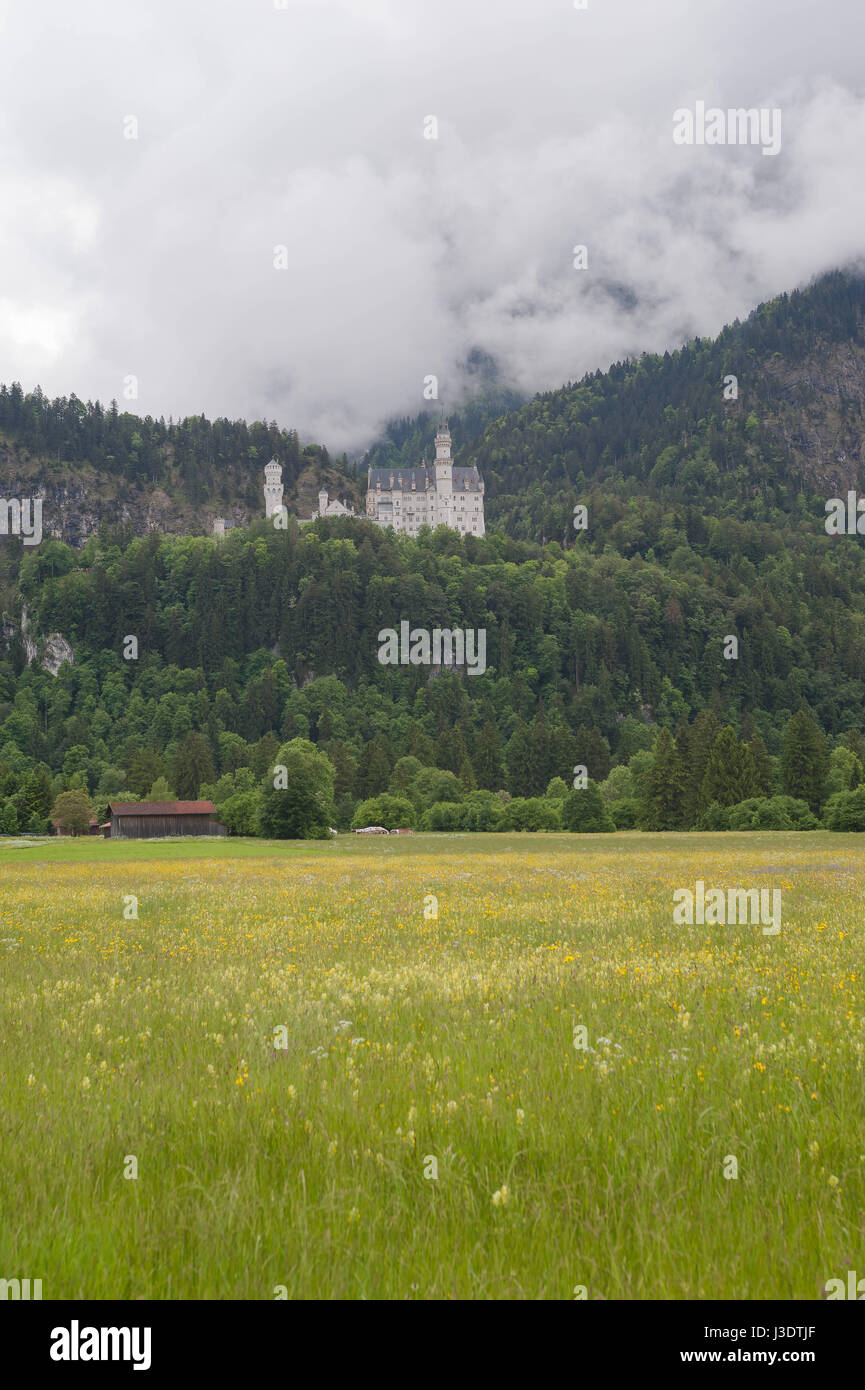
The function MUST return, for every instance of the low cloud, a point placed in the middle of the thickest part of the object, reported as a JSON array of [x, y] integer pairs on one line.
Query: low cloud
[[303, 127]]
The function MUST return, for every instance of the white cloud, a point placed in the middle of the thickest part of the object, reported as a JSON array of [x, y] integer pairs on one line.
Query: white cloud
[[303, 127]]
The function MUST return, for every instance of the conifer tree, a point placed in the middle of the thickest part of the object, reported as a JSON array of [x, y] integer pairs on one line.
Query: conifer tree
[[467, 777], [701, 737], [519, 756], [542, 763], [373, 769], [192, 766], [804, 760], [661, 803], [593, 751], [761, 767], [487, 759], [728, 778], [345, 768]]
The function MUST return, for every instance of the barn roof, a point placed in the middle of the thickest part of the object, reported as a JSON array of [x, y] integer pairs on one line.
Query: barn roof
[[161, 808]]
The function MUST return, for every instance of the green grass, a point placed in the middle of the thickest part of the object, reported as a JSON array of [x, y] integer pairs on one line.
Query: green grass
[[303, 1166]]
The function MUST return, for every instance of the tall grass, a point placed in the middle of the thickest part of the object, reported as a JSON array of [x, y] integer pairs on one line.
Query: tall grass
[[412, 1037]]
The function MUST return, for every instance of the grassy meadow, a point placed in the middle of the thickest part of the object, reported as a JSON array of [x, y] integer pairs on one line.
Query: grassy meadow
[[410, 1037]]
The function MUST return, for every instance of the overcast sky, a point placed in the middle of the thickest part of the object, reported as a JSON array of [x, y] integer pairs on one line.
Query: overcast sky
[[301, 125]]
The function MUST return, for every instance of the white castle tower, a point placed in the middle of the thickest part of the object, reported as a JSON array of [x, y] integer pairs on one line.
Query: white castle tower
[[272, 487], [444, 462]]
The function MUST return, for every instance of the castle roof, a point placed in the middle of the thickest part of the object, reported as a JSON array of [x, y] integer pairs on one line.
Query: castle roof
[[424, 479]]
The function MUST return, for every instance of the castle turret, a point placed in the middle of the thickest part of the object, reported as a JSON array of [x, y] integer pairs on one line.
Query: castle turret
[[272, 487], [322, 501], [444, 462]]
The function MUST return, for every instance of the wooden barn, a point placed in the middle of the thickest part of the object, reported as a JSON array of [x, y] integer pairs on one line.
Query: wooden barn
[[145, 820]]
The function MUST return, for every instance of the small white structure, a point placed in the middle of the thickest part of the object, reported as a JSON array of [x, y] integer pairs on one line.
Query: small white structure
[[273, 488], [334, 508], [328, 508]]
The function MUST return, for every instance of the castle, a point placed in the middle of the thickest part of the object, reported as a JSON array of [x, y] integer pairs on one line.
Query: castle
[[438, 494]]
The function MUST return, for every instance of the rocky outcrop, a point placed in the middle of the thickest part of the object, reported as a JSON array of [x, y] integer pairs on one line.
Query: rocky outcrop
[[50, 651], [817, 408], [56, 650]]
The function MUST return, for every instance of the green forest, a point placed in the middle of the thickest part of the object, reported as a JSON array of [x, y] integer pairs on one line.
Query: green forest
[[607, 702]]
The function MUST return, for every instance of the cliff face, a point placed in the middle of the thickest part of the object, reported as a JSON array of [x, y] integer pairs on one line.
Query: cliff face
[[78, 499], [817, 409]]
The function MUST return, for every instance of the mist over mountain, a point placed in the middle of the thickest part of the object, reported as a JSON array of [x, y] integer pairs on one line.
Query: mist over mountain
[[664, 427], [790, 422], [267, 232]]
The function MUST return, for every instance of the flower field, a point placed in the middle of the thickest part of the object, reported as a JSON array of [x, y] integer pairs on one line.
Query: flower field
[[351, 1070]]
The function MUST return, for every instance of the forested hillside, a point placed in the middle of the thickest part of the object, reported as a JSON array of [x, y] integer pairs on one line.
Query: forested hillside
[[605, 648], [660, 428], [94, 465]]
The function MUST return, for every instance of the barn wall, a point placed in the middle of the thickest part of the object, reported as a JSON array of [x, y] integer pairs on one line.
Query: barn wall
[[153, 827]]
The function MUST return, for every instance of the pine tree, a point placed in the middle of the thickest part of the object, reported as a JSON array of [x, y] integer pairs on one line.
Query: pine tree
[[804, 760], [856, 743], [373, 769], [467, 777], [420, 746], [542, 765], [593, 751], [761, 768], [661, 804], [345, 769], [192, 766], [519, 760], [487, 759], [728, 777], [701, 737], [144, 768], [38, 796], [454, 751]]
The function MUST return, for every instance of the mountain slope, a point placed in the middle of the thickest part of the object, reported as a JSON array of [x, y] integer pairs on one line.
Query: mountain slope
[[706, 522], [661, 426]]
